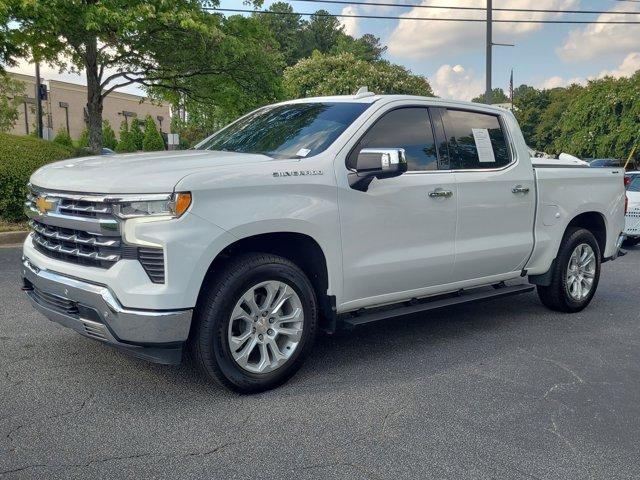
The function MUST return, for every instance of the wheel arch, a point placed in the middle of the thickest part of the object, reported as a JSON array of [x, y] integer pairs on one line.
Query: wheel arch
[[593, 221], [596, 223], [301, 249]]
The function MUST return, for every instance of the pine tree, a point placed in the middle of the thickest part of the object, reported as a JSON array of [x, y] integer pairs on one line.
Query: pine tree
[[136, 134], [108, 136], [126, 143], [153, 140]]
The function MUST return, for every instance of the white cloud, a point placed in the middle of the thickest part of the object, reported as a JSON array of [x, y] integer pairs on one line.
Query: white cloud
[[597, 40], [557, 81], [456, 82], [629, 66], [419, 39], [350, 24]]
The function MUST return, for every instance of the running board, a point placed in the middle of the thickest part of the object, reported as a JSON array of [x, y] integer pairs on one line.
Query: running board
[[407, 308]]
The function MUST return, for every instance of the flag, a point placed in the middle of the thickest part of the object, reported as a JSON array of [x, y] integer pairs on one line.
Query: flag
[[511, 88]]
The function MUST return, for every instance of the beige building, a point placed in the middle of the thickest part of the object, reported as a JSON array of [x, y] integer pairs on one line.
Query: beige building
[[65, 108]]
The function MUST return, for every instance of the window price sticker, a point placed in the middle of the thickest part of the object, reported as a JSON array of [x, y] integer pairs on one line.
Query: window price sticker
[[483, 145]]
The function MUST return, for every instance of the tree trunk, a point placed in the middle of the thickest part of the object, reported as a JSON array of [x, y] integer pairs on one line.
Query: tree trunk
[[94, 96]]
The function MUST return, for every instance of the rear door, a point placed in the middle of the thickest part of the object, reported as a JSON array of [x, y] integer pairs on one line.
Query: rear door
[[496, 196]]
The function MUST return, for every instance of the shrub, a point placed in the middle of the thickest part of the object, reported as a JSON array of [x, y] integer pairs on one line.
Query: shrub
[[153, 140], [137, 135], [83, 141], [126, 143], [19, 158], [108, 136], [63, 139]]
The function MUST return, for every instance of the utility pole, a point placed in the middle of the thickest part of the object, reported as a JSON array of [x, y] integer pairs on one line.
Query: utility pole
[[38, 101], [487, 93]]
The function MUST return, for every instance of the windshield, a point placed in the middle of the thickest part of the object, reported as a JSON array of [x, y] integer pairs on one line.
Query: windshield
[[286, 131], [634, 183]]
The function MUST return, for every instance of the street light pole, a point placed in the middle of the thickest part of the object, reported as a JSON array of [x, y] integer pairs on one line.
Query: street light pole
[[38, 101], [487, 93]]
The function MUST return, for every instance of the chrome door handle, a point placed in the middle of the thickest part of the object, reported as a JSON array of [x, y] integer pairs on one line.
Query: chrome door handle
[[520, 189], [440, 193]]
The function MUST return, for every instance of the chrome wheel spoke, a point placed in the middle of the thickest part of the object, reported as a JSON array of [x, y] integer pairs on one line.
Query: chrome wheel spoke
[[238, 341], [285, 294], [242, 357], [293, 333], [292, 317]]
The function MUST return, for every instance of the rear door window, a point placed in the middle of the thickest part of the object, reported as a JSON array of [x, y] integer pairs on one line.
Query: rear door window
[[476, 140]]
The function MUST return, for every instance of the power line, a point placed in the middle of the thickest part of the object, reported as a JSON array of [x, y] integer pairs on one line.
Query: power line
[[481, 9], [426, 19]]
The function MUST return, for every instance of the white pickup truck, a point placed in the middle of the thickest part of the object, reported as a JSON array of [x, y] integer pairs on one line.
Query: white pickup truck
[[308, 215]]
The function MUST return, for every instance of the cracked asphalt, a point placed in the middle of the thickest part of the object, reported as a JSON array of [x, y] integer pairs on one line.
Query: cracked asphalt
[[505, 389]]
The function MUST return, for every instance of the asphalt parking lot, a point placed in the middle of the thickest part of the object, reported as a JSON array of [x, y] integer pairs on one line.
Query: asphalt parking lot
[[504, 389]]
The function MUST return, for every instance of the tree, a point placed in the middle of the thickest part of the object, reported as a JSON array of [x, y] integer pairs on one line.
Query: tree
[[343, 74], [286, 28], [137, 136], [322, 32], [63, 138], [601, 119], [10, 46], [11, 94], [108, 136], [366, 48], [126, 143], [214, 100], [153, 140], [497, 96], [122, 43]]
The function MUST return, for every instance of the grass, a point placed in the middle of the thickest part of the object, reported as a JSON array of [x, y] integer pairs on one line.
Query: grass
[[12, 226]]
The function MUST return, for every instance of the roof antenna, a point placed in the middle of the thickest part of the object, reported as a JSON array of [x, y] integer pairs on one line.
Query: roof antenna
[[363, 92]]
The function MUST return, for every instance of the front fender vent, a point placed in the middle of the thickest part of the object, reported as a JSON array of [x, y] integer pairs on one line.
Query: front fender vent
[[152, 260]]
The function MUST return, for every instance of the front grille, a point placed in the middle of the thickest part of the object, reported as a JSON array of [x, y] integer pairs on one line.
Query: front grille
[[54, 302], [68, 231], [77, 246]]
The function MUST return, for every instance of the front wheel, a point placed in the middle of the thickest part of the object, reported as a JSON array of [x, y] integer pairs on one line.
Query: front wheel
[[256, 323], [575, 274]]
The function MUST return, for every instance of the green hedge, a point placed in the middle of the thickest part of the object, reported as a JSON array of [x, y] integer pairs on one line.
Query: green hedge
[[19, 158]]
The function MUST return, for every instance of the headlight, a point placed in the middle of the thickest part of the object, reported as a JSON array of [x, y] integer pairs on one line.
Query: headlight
[[154, 206]]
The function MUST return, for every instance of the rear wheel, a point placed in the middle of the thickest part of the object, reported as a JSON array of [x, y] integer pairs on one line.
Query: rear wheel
[[575, 274], [256, 323]]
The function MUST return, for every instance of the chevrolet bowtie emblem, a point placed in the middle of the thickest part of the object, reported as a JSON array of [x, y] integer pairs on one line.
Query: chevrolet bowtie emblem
[[43, 205]]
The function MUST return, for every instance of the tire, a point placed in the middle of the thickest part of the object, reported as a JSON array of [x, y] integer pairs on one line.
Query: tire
[[226, 295], [561, 295]]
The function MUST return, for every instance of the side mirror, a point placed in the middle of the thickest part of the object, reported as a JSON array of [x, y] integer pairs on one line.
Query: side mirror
[[377, 163]]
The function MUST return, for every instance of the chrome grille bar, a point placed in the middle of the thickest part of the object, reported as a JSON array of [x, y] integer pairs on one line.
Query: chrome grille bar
[[57, 247], [75, 238]]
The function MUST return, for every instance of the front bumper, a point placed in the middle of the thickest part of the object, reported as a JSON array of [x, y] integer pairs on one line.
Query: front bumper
[[93, 311]]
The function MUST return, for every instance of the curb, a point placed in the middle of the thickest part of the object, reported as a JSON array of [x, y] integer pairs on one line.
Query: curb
[[12, 238]]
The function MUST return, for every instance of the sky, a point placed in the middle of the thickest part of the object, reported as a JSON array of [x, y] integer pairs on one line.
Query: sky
[[452, 55]]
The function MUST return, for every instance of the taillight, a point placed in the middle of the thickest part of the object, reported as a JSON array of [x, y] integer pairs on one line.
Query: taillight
[[626, 204], [627, 181]]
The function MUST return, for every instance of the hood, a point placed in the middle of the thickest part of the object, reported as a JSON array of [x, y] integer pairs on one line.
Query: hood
[[152, 172]]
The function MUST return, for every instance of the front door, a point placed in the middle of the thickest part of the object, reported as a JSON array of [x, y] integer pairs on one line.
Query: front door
[[397, 239]]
